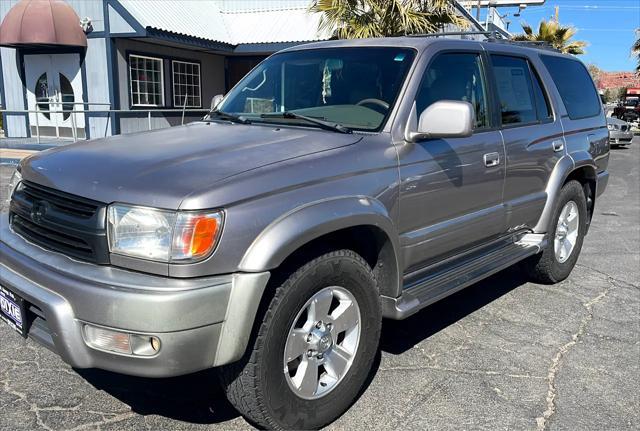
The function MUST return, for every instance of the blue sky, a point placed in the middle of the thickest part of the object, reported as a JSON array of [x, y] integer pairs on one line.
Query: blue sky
[[608, 26]]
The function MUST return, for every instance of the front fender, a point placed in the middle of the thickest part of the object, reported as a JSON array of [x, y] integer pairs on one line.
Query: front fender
[[310, 221]]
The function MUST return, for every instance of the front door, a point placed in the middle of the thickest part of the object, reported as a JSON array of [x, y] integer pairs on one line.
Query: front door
[[54, 89], [451, 190]]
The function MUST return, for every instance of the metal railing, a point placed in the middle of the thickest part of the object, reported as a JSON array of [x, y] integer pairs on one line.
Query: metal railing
[[74, 112]]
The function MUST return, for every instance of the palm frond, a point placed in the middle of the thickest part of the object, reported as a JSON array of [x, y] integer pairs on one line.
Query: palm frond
[[378, 18], [556, 35]]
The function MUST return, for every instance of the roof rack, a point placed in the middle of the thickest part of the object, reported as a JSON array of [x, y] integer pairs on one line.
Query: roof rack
[[492, 36], [530, 43]]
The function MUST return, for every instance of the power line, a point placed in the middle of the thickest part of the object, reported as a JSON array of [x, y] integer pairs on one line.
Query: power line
[[624, 30], [586, 7]]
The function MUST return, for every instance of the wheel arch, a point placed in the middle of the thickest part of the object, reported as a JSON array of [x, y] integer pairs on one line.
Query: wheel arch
[[579, 167], [357, 223]]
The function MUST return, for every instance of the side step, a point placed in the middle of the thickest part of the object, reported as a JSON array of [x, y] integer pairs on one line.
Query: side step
[[446, 278]]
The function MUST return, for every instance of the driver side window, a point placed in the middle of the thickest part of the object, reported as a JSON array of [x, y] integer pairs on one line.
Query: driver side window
[[455, 76]]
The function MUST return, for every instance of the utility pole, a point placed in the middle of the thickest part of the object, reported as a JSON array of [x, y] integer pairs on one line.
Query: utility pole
[[478, 11], [557, 14]]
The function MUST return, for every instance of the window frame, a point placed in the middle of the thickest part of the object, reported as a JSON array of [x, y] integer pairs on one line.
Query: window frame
[[173, 92], [531, 69], [593, 85], [492, 125], [545, 93], [130, 76]]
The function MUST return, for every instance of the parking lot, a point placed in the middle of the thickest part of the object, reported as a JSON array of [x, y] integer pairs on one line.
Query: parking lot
[[502, 354]]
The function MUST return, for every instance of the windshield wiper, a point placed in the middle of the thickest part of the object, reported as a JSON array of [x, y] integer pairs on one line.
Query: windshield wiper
[[227, 116], [327, 125]]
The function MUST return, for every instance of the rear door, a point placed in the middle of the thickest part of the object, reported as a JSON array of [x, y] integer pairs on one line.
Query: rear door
[[451, 189], [585, 127], [532, 134]]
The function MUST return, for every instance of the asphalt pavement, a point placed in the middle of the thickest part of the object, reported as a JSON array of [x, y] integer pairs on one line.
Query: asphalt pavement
[[502, 354]]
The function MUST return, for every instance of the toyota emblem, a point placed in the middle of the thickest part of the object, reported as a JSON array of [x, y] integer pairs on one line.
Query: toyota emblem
[[38, 210]]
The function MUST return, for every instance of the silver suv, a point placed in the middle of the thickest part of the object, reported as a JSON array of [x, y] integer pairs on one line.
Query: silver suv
[[337, 184]]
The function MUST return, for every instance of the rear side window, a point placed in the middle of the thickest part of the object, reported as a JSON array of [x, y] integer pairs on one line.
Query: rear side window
[[574, 85], [542, 103], [515, 90]]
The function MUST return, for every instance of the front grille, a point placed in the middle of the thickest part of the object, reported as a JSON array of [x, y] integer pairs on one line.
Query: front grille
[[55, 240], [60, 222], [62, 201]]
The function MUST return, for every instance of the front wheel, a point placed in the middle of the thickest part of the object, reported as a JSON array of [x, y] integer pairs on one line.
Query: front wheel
[[314, 349], [565, 235]]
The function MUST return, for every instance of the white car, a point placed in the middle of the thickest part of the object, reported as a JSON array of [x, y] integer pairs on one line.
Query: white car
[[619, 132]]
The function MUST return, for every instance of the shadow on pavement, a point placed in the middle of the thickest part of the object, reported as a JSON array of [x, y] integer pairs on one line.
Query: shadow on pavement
[[195, 398], [198, 398], [400, 336]]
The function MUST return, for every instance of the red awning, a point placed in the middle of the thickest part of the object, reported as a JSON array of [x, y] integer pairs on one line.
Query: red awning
[[42, 23]]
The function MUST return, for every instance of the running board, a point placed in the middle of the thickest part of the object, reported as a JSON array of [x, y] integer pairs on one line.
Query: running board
[[447, 278]]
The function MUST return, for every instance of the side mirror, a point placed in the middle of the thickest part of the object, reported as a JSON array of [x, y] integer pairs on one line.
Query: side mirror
[[215, 101], [444, 119]]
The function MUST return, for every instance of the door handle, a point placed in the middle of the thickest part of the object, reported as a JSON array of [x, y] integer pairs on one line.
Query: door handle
[[491, 160], [558, 145]]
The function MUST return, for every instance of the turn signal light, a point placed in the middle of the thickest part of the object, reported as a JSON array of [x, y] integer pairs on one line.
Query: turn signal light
[[195, 235], [123, 343]]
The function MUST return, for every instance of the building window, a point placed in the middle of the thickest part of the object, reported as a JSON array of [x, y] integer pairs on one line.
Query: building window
[[186, 84], [146, 81]]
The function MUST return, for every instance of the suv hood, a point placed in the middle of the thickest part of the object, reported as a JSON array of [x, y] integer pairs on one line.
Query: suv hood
[[160, 168]]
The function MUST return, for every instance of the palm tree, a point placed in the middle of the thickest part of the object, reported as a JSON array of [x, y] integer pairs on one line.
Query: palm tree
[[350, 19], [556, 35]]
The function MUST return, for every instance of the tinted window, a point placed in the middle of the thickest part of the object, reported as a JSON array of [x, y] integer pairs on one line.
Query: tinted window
[[515, 91], [574, 85], [455, 77], [542, 103]]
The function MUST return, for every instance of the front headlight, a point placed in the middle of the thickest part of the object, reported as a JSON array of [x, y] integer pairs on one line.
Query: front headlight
[[14, 184], [610, 127], [160, 235]]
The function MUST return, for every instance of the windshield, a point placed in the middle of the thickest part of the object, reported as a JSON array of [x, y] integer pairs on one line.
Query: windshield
[[353, 87], [631, 101]]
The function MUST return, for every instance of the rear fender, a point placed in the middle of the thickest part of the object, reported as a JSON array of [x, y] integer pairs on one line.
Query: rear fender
[[564, 167]]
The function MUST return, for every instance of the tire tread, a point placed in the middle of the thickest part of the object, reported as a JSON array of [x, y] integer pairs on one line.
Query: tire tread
[[240, 379], [543, 267]]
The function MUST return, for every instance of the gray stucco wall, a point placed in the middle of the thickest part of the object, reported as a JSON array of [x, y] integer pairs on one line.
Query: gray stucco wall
[[211, 69], [97, 89], [92, 9], [13, 94], [212, 83]]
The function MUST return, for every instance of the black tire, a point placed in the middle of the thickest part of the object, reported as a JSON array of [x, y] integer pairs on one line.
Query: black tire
[[544, 267], [256, 384]]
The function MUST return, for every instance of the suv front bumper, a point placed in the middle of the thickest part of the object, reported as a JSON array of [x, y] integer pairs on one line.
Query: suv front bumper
[[201, 322]]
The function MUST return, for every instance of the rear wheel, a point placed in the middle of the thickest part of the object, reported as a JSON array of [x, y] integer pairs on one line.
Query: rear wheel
[[313, 352], [565, 237]]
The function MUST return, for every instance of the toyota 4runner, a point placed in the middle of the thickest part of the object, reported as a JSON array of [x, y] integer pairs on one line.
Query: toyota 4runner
[[337, 184]]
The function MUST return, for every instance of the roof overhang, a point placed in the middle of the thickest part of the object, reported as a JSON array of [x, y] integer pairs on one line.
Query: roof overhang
[[197, 42], [42, 23]]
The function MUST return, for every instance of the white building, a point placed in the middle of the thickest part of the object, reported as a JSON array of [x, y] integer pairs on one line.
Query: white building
[[145, 59]]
